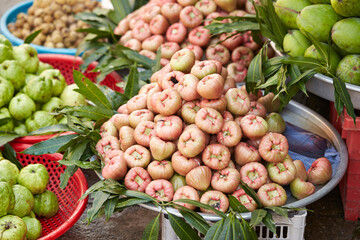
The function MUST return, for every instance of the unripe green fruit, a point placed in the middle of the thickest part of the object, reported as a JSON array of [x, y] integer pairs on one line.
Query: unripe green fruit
[[295, 43], [4, 113], [346, 35], [46, 204], [6, 91], [13, 72], [312, 52], [39, 89], [21, 106], [40, 119], [287, 10], [346, 8], [348, 69]]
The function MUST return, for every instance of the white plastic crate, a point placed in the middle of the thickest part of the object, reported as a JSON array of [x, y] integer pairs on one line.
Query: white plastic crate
[[292, 228]]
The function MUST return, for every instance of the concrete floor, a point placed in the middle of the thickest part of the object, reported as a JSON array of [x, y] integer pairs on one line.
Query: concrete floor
[[326, 222]]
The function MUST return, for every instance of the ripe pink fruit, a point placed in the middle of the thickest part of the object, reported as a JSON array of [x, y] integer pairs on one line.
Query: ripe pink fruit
[[168, 49], [160, 149], [209, 120], [191, 142], [217, 104], [238, 102], [320, 171], [171, 11], [187, 87], [133, 44], [160, 189], [183, 165], [126, 137], [226, 180], [230, 134], [282, 172], [176, 33], [182, 60], [216, 199], [158, 25], [274, 147], [219, 53], [300, 170], [115, 169], [231, 42], [301, 189], [141, 31], [198, 51], [242, 55], [167, 102], [189, 110], [160, 170], [139, 116], [237, 71], [169, 128], [106, 144], [257, 109], [216, 156], [171, 80], [203, 68], [191, 17], [199, 178], [137, 156], [211, 86], [137, 179], [186, 192], [272, 194], [245, 200], [109, 129], [244, 153], [253, 127], [254, 174], [136, 103], [144, 131], [206, 6], [199, 36]]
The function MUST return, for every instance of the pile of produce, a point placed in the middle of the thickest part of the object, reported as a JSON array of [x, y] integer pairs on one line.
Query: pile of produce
[[56, 21], [23, 197], [30, 90], [172, 26], [339, 21], [188, 135]]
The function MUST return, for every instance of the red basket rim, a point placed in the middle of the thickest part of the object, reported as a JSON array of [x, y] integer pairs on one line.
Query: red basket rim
[[80, 208]]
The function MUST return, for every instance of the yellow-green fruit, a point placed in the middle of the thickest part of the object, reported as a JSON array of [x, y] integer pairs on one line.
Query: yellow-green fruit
[[320, 1], [295, 43], [346, 8], [312, 52], [346, 35], [348, 69], [7, 198], [46, 204], [287, 10], [317, 20], [34, 228], [8, 172], [70, 97], [24, 201]]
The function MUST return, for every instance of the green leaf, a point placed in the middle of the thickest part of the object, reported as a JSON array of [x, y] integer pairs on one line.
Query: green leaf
[[132, 85], [196, 220], [202, 205], [52, 128], [131, 201], [32, 36], [4, 121], [249, 232], [137, 194], [99, 33], [110, 205], [157, 65], [227, 231], [151, 231], [255, 74], [93, 112], [10, 154], [279, 210], [182, 229], [340, 88], [49, 146], [98, 185], [81, 164], [257, 216], [218, 27], [273, 80], [6, 137], [215, 231], [320, 47], [99, 199], [66, 175], [90, 90], [303, 62], [269, 222], [121, 7], [139, 59], [236, 205], [139, 3], [249, 191]]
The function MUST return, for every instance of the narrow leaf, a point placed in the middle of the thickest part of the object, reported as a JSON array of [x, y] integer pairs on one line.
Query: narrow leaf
[[340, 88], [139, 59], [320, 47], [93, 112], [66, 175], [249, 191], [182, 229], [227, 232], [151, 231], [50, 129], [6, 137], [279, 210], [99, 199], [303, 62], [202, 205], [32, 36], [131, 201], [236, 205], [49, 146], [10, 154], [196, 220], [269, 222], [137, 194], [132, 86], [110, 205], [4, 121], [215, 231], [121, 7], [257, 216], [92, 189], [249, 232], [90, 90]]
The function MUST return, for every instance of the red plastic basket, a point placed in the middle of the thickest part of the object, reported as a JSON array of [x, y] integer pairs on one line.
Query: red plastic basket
[[66, 64], [70, 208]]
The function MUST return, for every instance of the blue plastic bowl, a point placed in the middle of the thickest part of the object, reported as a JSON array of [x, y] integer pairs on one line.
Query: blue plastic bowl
[[10, 16]]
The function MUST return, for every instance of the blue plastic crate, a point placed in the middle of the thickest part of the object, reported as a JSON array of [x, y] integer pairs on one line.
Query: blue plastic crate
[[10, 16]]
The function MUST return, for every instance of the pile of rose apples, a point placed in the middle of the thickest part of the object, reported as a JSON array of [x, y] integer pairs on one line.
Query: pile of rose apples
[[172, 26], [23, 197], [189, 135]]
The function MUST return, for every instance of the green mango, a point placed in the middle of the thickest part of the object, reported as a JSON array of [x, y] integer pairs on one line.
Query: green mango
[[287, 10], [295, 43], [346, 8], [348, 69], [312, 52], [346, 35]]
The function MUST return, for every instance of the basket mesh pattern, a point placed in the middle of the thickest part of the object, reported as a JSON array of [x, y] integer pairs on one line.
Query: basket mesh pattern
[[68, 198]]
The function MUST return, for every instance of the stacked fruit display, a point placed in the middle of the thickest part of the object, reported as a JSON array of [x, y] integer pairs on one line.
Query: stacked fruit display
[[339, 20], [186, 132], [30, 90], [175, 25], [56, 21], [23, 195]]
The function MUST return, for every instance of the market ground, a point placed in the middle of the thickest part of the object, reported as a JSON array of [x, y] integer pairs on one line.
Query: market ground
[[325, 222]]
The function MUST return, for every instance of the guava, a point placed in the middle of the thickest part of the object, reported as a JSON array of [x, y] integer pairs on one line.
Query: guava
[[40, 89], [9, 126], [12, 228], [34, 228], [320, 1], [287, 10], [52, 104], [6, 91], [46, 204], [21, 129], [13, 72], [27, 57], [42, 67], [7, 199], [35, 177], [28, 77], [71, 97], [24, 201], [312, 52], [21, 106], [348, 69], [295, 43], [346, 8], [6, 52], [346, 35], [317, 20], [8, 172], [5, 41], [40, 119], [58, 80]]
